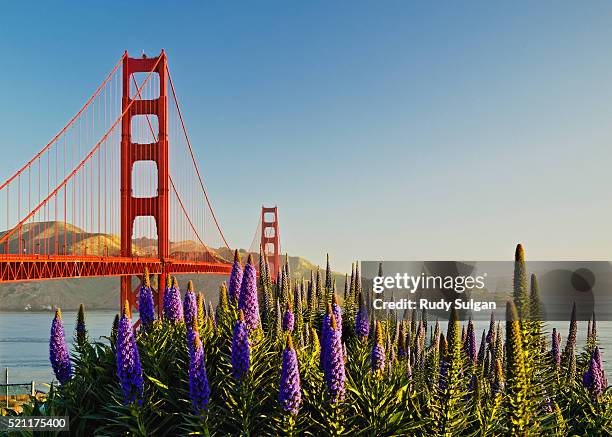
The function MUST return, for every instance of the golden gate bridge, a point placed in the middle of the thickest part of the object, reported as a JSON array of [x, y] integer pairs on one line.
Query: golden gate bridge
[[118, 190]]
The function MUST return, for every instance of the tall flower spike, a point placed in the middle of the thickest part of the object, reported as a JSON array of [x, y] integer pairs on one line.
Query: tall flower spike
[[481, 350], [402, 347], [498, 381], [337, 311], [115, 329], [199, 390], [278, 318], [299, 310], [325, 333], [378, 350], [535, 305], [516, 375], [81, 329], [573, 330], [241, 348], [58, 350], [235, 279], [173, 308], [321, 303], [346, 286], [211, 315], [594, 378], [362, 322], [190, 308], [470, 344], [128, 360], [556, 348], [146, 307], [290, 391], [328, 277], [311, 298], [192, 331], [334, 369], [263, 279], [571, 367], [521, 287], [223, 305], [248, 296], [166, 296], [201, 310], [315, 346], [288, 318], [491, 333]]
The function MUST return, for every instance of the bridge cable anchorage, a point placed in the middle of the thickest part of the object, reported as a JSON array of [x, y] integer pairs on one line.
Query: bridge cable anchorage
[[194, 160], [70, 123], [81, 164]]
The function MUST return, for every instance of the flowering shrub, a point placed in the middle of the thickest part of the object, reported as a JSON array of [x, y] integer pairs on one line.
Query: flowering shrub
[[233, 370]]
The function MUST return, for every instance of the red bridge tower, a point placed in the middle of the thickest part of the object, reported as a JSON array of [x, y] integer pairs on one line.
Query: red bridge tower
[[269, 238], [131, 152]]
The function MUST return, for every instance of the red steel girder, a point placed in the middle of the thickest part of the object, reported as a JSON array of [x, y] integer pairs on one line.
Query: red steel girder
[[15, 268]]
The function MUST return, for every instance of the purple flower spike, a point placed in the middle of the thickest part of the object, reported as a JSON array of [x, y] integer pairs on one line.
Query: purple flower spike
[[128, 360], [145, 302], [235, 279], [58, 350], [402, 350], [337, 311], [192, 331], [290, 391], [199, 390], [378, 350], [325, 333], [594, 379], [362, 323], [173, 308], [190, 307], [470, 342], [491, 333], [334, 363], [556, 348], [288, 318], [248, 296], [241, 348]]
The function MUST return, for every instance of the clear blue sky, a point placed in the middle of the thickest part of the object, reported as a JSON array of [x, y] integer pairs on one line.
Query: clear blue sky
[[387, 130]]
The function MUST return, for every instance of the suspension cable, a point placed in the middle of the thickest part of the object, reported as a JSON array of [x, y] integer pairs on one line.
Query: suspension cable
[[83, 162], [193, 158], [95, 94]]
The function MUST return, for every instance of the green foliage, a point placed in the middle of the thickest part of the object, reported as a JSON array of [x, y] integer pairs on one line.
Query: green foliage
[[430, 389]]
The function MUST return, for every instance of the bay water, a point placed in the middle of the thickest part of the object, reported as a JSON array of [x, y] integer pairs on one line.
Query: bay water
[[24, 341]]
